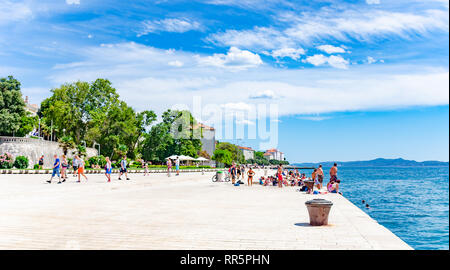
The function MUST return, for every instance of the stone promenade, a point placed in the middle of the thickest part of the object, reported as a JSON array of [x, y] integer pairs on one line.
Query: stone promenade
[[179, 212]]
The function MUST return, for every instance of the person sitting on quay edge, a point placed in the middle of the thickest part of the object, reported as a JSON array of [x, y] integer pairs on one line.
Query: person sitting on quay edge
[[333, 186]]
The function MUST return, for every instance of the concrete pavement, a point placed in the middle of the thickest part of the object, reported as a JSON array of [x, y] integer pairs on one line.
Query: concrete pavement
[[179, 212]]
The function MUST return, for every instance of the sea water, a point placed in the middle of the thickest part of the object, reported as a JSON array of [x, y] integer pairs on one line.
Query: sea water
[[412, 202]]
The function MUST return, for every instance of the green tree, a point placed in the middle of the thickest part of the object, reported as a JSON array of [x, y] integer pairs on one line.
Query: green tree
[[121, 150], [12, 106], [236, 153], [72, 106], [177, 134], [28, 123], [204, 154], [66, 143], [259, 155], [92, 112], [81, 151], [223, 156]]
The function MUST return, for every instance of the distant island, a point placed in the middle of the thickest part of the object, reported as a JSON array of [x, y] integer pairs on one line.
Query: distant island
[[379, 162]]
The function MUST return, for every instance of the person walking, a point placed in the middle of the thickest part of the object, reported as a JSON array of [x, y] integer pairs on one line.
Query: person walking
[[80, 170], [64, 166], [75, 165], [123, 168], [56, 167], [108, 169], [41, 162], [169, 167], [177, 165], [145, 168]]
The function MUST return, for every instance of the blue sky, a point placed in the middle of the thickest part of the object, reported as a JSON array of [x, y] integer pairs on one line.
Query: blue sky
[[352, 80]]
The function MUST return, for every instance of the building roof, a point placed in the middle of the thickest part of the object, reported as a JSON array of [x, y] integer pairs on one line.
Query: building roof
[[203, 126], [271, 150], [246, 148]]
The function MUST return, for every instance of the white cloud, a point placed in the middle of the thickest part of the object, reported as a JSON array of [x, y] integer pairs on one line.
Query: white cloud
[[287, 52], [14, 11], [370, 60], [330, 49], [314, 118], [176, 63], [145, 80], [350, 24], [332, 60], [317, 59], [373, 2], [73, 2], [235, 59], [338, 62], [169, 25], [266, 94]]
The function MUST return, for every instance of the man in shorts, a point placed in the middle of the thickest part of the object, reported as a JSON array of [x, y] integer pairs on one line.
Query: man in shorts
[[320, 175], [75, 165], [233, 173], [41, 162], [123, 168], [56, 167], [333, 172]]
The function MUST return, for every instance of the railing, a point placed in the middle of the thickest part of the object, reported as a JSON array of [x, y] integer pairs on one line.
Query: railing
[[4, 139]]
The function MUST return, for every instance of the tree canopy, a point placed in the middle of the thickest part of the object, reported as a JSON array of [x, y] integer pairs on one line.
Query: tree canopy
[[12, 106], [93, 113], [175, 135], [236, 153], [223, 156]]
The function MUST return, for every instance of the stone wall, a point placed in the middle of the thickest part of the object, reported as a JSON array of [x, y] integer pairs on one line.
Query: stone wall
[[34, 148]]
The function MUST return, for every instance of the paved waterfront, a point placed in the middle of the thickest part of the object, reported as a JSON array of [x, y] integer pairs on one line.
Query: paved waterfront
[[183, 212]]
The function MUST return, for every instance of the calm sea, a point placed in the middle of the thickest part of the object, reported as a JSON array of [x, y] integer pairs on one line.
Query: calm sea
[[412, 202]]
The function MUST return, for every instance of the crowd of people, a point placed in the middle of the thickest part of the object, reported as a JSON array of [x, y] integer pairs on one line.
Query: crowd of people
[[61, 166], [282, 177], [285, 177]]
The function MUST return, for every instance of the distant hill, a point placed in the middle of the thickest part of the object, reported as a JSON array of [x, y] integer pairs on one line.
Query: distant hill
[[379, 162]]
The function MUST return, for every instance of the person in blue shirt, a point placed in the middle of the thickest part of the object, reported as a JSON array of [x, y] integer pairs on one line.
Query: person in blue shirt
[[56, 167], [123, 168]]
